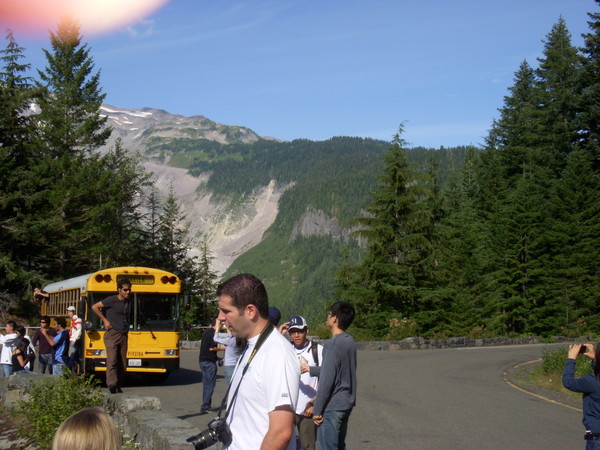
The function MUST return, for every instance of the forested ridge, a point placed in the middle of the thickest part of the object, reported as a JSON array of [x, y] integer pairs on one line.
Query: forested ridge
[[506, 245], [511, 245]]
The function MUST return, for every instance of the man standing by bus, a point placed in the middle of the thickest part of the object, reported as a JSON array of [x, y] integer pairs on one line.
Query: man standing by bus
[[116, 325]]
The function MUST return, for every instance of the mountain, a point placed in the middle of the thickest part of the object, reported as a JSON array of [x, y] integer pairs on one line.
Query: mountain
[[156, 134], [280, 210]]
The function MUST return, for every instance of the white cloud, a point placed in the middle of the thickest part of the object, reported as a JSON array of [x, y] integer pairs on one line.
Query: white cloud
[[141, 29]]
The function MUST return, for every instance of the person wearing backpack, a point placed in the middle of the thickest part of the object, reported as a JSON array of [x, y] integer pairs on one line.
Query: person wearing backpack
[[311, 354]]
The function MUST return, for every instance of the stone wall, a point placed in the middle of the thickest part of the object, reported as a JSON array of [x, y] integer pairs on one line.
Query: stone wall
[[419, 343]]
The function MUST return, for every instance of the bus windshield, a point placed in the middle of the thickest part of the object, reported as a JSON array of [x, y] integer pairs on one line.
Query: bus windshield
[[155, 312]]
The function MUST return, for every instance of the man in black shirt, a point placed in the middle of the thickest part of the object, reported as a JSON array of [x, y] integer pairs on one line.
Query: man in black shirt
[[116, 325], [208, 365]]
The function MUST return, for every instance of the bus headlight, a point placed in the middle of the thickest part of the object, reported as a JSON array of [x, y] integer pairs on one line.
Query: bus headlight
[[90, 352], [171, 352]]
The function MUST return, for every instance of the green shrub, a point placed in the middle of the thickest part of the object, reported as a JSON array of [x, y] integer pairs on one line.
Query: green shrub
[[401, 328], [321, 331], [553, 361], [49, 403]]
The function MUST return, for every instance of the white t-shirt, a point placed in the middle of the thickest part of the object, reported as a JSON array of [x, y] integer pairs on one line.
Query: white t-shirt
[[272, 380], [308, 384], [9, 343]]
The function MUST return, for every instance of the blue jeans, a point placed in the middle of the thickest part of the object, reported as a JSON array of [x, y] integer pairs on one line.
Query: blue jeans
[[57, 368], [73, 356], [209, 380], [46, 361], [592, 445], [331, 434], [228, 372], [6, 370]]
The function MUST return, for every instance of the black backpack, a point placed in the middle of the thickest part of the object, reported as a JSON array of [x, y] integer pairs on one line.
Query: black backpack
[[314, 348]]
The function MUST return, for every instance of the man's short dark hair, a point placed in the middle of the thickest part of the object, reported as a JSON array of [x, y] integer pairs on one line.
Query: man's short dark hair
[[61, 321], [45, 319], [12, 323], [123, 282], [245, 289], [344, 312]]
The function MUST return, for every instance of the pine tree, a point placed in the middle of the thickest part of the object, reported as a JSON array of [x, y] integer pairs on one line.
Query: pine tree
[[120, 181], [16, 129], [173, 235], [399, 266], [201, 287], [70, 119], [559, 93], [589, 111]]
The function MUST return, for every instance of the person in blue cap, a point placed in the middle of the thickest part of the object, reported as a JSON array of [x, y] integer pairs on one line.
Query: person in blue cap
[[274, 315], [309, 354]]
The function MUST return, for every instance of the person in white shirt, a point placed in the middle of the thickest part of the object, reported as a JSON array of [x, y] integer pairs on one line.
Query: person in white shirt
[[74, 335], [309, 354], [234, 346], [265, 383], [9, 342]]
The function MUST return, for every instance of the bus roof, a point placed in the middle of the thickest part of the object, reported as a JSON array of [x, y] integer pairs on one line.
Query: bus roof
[[77, 282], [83, 281]]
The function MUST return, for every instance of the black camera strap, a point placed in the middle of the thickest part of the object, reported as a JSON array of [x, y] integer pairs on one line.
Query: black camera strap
[[264, 334]]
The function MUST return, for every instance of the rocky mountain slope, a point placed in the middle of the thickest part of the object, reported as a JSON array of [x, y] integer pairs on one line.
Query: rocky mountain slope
[[229, 231]]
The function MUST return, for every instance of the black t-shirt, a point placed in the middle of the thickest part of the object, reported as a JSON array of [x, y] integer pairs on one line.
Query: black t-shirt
[[117, 313], [206, 344]]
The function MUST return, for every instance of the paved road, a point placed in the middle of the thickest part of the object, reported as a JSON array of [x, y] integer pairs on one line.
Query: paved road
[[422, 399]]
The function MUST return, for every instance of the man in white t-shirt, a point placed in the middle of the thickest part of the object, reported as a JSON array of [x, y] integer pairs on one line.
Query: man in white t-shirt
[[261, 411], [309, 353]]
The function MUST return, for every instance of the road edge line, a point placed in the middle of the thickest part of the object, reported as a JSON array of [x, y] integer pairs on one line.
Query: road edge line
[[506, 380]]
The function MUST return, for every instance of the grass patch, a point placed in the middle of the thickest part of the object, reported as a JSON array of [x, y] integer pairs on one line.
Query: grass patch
[[548, 375]]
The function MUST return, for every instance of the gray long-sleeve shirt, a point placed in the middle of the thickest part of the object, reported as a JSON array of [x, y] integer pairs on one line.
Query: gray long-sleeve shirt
[[337, 378]]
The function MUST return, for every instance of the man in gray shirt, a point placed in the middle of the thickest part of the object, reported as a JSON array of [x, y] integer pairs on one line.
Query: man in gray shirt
[[116, 325], [336, 394]]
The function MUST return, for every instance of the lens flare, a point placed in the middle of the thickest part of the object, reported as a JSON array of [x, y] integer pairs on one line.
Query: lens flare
[[94, 16]]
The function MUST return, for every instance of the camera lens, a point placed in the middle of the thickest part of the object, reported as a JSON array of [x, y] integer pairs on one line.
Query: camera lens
[[203, 440]]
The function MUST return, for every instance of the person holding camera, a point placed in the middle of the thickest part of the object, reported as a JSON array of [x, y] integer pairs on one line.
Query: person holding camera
[[265, 384], [589, 386]]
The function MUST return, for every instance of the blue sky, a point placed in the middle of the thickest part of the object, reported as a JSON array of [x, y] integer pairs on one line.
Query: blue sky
[[317, 69]]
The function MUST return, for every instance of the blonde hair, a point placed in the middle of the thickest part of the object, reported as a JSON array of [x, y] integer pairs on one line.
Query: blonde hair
[[88, 429]]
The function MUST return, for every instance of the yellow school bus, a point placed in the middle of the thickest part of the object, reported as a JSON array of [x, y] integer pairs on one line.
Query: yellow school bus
[[153, 342]]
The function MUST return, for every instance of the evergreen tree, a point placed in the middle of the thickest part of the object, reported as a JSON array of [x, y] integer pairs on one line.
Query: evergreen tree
[[399, 267], [173, 240], [559, 93], [589, 110], [120, 182], [16, 94], [200, 288], [71, 123], [574, 280]]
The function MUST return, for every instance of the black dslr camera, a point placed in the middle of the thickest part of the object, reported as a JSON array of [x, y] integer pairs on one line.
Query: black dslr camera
[[217, 431]]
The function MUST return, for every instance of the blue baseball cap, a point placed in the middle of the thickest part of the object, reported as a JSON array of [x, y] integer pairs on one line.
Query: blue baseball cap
[[298, 322], [274, 315]]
